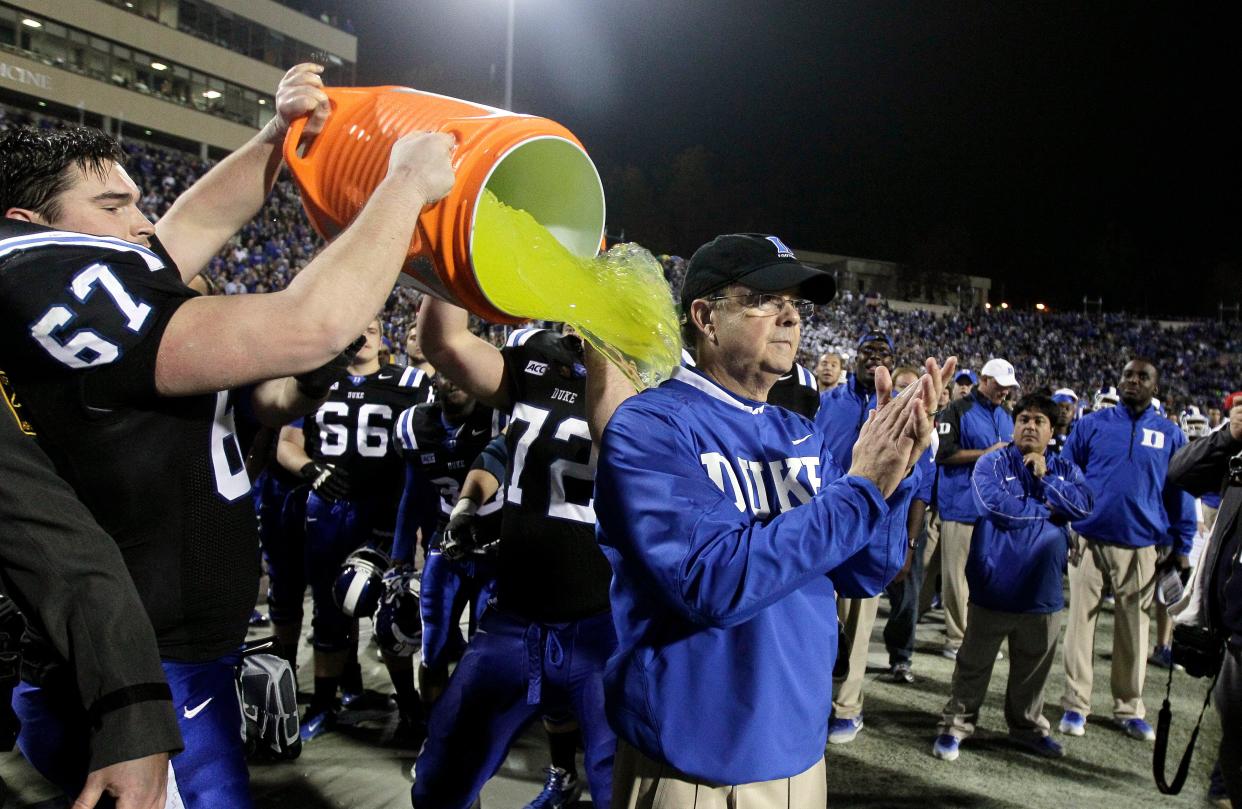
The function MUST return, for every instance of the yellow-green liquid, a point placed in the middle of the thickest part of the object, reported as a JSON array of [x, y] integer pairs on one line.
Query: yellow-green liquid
[[618, 301]]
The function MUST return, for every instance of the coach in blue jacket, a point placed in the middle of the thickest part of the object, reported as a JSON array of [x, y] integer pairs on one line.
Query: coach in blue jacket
[[1124, 453], [968, 428], [1025, 494], [727, 524]]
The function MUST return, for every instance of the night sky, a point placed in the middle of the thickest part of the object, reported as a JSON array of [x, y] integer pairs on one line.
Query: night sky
[[1061, 148]]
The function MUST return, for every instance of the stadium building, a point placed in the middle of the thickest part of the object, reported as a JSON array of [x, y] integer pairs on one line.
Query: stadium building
[[194, 75]]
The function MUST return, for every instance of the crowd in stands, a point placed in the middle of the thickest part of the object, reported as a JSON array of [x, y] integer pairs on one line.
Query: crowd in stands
[[1053, 350]]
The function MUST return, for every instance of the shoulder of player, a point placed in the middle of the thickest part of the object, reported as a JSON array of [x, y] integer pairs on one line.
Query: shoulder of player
[[22, 244]]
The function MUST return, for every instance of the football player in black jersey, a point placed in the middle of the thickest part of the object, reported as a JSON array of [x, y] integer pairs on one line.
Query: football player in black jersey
[[440, 442], [344, 452], [124, 373], [543, 643]]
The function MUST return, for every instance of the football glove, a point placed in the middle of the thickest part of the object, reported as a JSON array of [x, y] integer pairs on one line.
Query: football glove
[[316, 384], [327, 480], [459, 538]]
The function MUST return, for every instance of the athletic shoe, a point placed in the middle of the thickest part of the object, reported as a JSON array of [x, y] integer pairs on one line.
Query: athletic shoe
[[351, 685], [843, 731], [560, 790], [949, 652], [316, 724], [1110, 600], [946, 747], [1041, 746], [1162, 656], [900, 673], [1137, 729], [1073, 723], [258, 619], [936, 603]]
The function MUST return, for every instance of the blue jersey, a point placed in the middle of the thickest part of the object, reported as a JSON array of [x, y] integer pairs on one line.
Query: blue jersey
[[1126, 463], [722, 518], [1019, 545], [971, 422]]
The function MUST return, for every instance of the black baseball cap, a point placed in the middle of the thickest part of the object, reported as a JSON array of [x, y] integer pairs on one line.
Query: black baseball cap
[[757, 260]]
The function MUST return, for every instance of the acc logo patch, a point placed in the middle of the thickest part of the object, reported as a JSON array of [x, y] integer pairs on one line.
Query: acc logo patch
[[536, 368]]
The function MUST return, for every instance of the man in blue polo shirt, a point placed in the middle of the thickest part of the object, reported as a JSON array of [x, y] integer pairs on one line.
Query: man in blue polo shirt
[[968, 428], [1124, 453]]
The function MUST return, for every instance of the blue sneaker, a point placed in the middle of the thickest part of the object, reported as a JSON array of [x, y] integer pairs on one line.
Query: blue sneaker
[[1040, 745], [1162, 656], [946, 747], [258, 619], [317, 724], [843, 731], [1073, 723], [1137, 729], [560, 790]]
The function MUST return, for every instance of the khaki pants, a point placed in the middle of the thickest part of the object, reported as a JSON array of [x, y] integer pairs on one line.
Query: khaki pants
[[1209, 519], [931, 562], [954, 592], [1132, 573], [639, 782], [1032, 646], [857, 617]]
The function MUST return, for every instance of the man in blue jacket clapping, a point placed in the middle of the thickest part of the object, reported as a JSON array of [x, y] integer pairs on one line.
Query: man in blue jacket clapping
[[1025, 495]]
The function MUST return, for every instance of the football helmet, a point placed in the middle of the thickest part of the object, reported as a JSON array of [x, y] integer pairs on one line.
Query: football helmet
[[1105, 397], [1194, 424], [398, 624], [360, 584]]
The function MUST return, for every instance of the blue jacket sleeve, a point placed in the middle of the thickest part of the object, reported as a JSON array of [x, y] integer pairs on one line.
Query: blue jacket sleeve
[[873, 568], [1076, 446], [1065, 489], [712, 563], [1002, 498]]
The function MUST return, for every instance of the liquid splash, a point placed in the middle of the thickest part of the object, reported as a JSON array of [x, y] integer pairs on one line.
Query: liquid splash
[[619, 301]]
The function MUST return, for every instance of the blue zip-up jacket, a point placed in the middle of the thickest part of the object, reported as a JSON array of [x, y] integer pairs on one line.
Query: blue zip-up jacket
[[971, 422], [842, 413], [1126, 463], [1017, 552], [720, 517]]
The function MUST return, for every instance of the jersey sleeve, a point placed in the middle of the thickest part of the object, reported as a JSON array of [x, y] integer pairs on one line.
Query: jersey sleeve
[[521, 357], [493, 459], [712, 563], [75, 305]]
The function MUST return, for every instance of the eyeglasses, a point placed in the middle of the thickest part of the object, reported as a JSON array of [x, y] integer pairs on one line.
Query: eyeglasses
[[768, 304]]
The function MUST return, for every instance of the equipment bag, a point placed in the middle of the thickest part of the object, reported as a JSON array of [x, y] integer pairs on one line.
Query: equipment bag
[[268, 694]]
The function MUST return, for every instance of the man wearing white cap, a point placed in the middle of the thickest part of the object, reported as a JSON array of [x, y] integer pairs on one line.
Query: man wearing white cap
[[968, 428]]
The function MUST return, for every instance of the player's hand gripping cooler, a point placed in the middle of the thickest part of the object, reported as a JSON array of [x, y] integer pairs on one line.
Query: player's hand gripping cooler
[[518, 235]]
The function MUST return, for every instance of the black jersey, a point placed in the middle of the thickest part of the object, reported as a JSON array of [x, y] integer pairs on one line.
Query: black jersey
[[441, 454], [353, 429], [550, 566], [796, 391], [81, 319]]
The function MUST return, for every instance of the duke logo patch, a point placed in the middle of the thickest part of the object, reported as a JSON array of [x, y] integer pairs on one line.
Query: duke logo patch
[[1153, 438]]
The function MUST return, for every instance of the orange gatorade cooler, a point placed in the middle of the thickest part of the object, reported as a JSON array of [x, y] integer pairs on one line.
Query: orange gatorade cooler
[[529, 163]]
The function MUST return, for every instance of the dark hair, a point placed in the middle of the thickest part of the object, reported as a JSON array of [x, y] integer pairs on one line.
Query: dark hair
[[1040, 402], [36, 165]]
